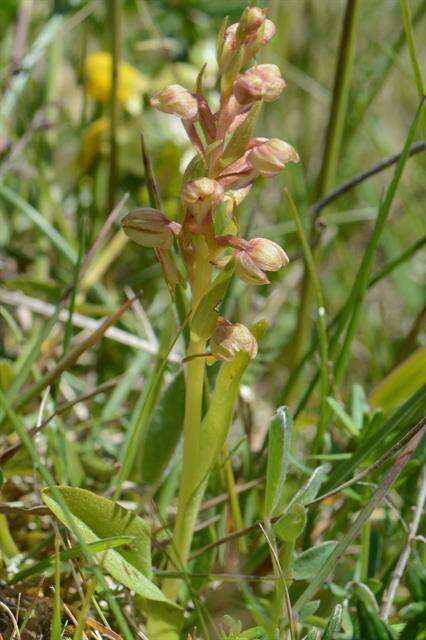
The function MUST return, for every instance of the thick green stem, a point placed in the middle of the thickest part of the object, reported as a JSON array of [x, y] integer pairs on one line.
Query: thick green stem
[[188, 504], [189, 493]]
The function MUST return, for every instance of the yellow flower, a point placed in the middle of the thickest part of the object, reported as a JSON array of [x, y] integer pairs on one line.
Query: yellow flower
[[131, 83], [94, 139]]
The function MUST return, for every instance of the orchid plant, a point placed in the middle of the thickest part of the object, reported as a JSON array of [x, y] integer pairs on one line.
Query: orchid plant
[[227, 161]]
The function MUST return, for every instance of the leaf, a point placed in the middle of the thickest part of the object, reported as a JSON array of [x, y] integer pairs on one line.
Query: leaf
[[164, 430], [395, 428], [312, 635], [218, 418], [361, 519], [401, 382], [334, 623], [69, 554], [344, 417], [310, 489], [290, 526], [308, 563], [370, 626], [279, 443], [309, 609], [96, 518]]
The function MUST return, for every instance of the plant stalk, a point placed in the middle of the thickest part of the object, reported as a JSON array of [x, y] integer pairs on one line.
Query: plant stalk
[[190, 495]]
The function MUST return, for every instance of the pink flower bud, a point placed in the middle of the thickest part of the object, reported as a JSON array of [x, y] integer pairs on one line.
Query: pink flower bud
[[269, 31], [263, 82], [228, 47], [202, 190], [177, 101], [228, 339], [256, 256], [271, 156], [149, 228], [200, 197], [251, 22]]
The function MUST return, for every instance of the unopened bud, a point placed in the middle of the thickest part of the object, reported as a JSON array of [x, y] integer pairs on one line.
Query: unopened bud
[[149, 228], [271, 156], [228, 47], [177, 101], [269, 31], [228, 339], [263, 82], [201, 195], [257, 256], [251, 22]]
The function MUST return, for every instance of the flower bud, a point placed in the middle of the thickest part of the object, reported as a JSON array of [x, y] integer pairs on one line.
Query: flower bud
[[228, 47], [251, 22], [269, 31], [257, 256], [271, 156], [228, 339], [263, 82], [149, 228], [177, 101], [254, 31], [201, 195]]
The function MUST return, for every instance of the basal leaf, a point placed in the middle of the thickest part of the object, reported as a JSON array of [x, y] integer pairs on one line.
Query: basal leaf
[[97, 518]]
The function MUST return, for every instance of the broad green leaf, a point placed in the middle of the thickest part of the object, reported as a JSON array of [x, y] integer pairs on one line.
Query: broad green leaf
[[164, 431], [308, 563], [69, 554], [401, 382], [334, 624], [291, 524], [279, 443], [96, 518]]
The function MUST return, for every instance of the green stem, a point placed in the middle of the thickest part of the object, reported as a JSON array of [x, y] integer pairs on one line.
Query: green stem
[[329, 162], [189, 493]]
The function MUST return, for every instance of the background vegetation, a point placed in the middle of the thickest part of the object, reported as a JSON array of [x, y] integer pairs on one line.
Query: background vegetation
[[70, 168]]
